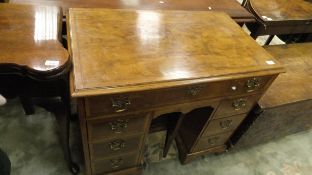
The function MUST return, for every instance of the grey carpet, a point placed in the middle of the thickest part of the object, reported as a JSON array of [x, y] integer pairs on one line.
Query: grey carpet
[[31, 142], [33, 147]]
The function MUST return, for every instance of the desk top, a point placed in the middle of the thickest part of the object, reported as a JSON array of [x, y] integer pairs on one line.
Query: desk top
[[231, 7], [119, 50], [294, 85], [282, 10], [30, 38]]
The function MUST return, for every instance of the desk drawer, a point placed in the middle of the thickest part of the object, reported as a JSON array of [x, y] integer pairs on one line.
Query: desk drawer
[[212, 141], [116, 127], [223, 125], [234, 106], [114, 164], [110, 104], [115, 147]]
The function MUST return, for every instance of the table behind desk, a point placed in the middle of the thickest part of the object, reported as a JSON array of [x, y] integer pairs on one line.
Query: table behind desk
[[231, 7]]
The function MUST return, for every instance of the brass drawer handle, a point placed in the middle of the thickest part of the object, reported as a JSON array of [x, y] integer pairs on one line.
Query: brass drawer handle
[[119, 125], [195, 90], [213, 140], [121, 103], [117, 145], [226, 124], [239, 104], [116, 163], [252, 84]]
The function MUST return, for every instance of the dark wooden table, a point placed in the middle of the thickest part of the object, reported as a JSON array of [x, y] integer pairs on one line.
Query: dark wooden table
[[277, 17], [33, 62], [231, 7]]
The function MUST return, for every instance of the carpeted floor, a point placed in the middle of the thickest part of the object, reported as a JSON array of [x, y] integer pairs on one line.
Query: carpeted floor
[[291, 155], [33, 147]]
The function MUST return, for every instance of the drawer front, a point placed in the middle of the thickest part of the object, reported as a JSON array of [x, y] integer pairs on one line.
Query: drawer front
[[118, 104], [115, 147], [234, 106], [114, 164], [116, 127], [212, 141], [249, 85], [110, 104], [223, 125]]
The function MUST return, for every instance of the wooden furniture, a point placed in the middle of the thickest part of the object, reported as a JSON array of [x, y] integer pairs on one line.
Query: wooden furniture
[[286, 108], [33, 62], [277, 17], [130, 67], [231, 7]]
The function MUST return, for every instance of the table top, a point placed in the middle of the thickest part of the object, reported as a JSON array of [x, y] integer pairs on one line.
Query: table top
[[30, 38], [118, 50], [282, 10], [296, 84], [231, 7]]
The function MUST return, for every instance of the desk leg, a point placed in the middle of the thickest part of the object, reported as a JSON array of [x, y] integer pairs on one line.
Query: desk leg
[[256, 30], [172, 132], [61, 110], [244, 2], [64, 124], [268, 41], [27, 105]]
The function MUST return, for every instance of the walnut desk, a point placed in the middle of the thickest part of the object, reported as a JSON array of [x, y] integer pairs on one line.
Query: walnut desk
[[130, 67]]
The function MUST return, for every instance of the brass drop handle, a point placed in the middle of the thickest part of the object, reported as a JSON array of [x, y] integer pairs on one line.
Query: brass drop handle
[[239, 104], [119, 125], [195, 90], [116, 163], [213, 140], [117, 145], [252, 84], [121, 103], [226, 124]]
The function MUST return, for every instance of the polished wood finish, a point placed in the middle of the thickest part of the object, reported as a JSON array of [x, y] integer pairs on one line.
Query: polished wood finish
[[171, 96], [286, 107], [227, 106], [231, 7], [34, 64], [190, 156], [152, 38], [217, 126], [276, 17], [163, 64], [30, 40], [114, 147], [114, 164], [212, 141], [282, 10], [115, 127]]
